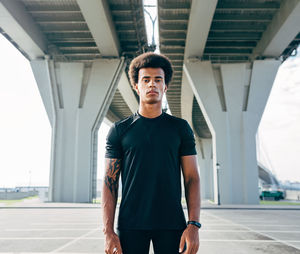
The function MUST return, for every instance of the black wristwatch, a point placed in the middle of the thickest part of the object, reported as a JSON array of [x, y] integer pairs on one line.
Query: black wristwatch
[[195, 223]]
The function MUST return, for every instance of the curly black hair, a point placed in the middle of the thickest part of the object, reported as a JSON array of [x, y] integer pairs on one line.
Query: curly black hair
[[150, 60]]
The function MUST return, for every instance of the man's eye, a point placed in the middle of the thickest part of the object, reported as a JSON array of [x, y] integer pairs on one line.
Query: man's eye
[[146, 80], [158, 80]]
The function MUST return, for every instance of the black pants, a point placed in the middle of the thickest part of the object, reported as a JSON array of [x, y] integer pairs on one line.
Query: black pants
[[138, 241]]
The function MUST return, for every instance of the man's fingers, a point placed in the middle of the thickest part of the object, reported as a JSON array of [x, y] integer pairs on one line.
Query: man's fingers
[[188, 249], [119, 250], [192, 248], [116, 249], [181, 245]]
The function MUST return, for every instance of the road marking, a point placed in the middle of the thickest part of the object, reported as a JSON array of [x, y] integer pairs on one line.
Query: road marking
[[49, 229], [36, 238], [67, 223], [203, 230], [263, 225], [267, 231], [74, 240], [285, 242], [102, 238]]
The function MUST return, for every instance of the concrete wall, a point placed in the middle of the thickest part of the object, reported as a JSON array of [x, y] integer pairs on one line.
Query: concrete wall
[[292, 195]]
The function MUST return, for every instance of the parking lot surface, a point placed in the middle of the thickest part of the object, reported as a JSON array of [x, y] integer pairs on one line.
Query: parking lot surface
[[77, 228]]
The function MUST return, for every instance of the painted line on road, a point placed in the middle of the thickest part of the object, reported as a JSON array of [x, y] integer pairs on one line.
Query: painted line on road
[[102, 238], [75, 240], [285, 242], [49, 229], [36, 238], [209, 224], [203, 230], [263, 225], [66, 223], [244, 231]]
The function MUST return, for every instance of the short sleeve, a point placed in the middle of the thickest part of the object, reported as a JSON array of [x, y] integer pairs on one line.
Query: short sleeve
[[187, 145], [113, 144]]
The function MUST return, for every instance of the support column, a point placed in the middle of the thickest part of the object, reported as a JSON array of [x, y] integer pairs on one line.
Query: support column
[[232, 98], [76, 97], [127, 93], [204, 155]]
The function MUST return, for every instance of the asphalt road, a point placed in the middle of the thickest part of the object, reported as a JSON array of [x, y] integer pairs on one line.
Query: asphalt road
[[69, 228]]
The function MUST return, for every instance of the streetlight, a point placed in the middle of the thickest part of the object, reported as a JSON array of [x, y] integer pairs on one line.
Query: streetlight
[[153, 25], [218, 169]]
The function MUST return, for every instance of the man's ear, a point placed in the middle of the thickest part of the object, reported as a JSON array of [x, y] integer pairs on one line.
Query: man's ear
[[136, 88], [166, 88]]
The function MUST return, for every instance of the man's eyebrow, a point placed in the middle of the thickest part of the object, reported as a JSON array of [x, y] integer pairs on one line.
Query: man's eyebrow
[[150, 77]]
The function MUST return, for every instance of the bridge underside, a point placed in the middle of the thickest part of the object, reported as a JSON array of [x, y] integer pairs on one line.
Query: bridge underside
[[225, 56]]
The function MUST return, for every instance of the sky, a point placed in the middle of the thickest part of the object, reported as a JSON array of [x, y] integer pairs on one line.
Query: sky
[[279, 130], [25, 132]]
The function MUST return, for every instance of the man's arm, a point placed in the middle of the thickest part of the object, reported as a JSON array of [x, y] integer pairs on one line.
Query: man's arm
[[109, 202], [191, 176]]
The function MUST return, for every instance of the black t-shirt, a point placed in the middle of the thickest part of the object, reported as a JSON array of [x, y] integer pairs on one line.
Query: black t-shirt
[[150, 151]]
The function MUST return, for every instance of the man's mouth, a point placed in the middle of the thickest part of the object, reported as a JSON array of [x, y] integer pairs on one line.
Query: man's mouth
[[152, 92]]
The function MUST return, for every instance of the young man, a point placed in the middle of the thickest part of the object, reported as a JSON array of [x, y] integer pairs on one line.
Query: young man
[[148, 149]]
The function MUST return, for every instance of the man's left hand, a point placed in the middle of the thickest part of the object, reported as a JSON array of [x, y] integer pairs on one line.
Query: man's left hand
[[190, 237]]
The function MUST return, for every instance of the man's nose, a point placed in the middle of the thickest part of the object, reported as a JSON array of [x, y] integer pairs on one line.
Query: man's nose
[[152, 83]]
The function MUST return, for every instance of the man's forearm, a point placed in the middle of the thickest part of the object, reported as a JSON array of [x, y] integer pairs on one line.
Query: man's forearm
[[193, 199], [110, 193], [109, 203]]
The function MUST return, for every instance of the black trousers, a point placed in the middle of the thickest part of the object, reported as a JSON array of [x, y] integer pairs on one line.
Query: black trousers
[[138, 241]]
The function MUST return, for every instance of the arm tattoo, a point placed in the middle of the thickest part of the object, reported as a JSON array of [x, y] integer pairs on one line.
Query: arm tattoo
[[112, 175]]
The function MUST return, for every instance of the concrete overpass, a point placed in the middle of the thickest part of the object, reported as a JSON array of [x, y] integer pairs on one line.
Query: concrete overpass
[[225, 55]]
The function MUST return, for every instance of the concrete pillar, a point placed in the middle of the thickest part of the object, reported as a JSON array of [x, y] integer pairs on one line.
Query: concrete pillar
[[76, 97], [204, 155], [232, 98], [127, 93]]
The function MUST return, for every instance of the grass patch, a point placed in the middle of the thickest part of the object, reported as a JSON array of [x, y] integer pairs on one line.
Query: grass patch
[[15, 201], [268, 202]]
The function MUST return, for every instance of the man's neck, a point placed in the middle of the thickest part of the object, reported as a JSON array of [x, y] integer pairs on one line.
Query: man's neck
[[150, 110]]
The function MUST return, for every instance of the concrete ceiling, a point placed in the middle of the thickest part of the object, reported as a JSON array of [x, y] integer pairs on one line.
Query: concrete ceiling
[[69, 30], [236, 29]]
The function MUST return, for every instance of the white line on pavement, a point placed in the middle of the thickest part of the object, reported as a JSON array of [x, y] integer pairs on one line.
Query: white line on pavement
[[48, 229], [66, 223], [260, 224], [75, 240], [203, 230], [286, 242], [102, 238]]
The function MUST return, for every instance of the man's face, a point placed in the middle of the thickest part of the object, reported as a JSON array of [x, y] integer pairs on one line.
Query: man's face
[[151, 85]]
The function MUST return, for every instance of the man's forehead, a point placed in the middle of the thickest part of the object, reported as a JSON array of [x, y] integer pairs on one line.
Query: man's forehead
[[151, 72]]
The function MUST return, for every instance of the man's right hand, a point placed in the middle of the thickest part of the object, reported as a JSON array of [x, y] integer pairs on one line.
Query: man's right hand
[[112, 244]]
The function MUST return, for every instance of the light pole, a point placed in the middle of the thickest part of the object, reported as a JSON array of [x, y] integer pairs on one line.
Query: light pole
[[29, 183], [153, 25], [218, 185]]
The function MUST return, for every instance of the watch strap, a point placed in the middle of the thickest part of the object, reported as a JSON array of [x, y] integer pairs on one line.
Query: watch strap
[[195, 223]]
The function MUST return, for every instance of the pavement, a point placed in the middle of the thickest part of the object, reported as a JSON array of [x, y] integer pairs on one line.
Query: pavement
[[35, 227]]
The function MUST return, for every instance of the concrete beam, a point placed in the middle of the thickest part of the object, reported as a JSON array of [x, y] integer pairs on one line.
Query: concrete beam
[[281, 31], [202, 12], [21, 28], [127, 93], [97, 15], [187, 96]]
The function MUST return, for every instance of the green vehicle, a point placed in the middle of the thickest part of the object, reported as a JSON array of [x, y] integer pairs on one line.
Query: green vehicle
[[271, 192]]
